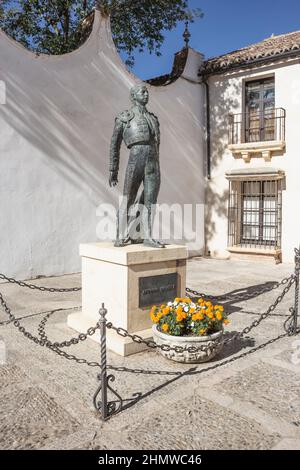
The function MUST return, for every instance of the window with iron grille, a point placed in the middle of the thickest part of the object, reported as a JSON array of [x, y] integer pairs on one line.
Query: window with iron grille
[[255, 213], [260, 121]]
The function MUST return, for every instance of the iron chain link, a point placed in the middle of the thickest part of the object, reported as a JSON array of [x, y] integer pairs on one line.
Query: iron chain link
[[192, 349], [41, 288], [240, 297], [56, 347], [44, 341]]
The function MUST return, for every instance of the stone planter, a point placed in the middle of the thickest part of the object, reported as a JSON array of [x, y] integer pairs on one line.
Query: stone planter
[[214, 342]]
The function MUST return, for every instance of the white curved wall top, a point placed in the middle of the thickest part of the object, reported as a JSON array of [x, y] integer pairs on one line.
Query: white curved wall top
[[55, 131]]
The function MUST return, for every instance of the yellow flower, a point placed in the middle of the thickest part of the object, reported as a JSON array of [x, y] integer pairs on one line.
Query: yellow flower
[[197, 316], [192, 309], [165, 327], [219, 307], [154, 318], [202, 332], [181, 315], [226, 321], [210, 315], [219, 315], [166, 311], [200, 301]]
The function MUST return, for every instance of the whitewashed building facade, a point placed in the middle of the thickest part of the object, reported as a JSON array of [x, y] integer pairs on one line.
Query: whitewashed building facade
[[253, 188], [230, 130]]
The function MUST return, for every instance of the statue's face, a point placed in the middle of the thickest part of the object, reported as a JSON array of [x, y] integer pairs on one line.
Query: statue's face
[[142, 95]]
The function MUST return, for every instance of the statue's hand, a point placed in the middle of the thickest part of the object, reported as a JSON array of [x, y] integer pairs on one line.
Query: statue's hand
[[113, 178]]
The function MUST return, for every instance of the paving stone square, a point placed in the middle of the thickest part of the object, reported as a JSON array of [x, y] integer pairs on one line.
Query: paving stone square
[[245, 398]]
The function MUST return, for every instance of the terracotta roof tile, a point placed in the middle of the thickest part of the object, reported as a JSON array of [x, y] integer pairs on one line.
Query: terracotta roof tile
[[178, 69], [268, 48]]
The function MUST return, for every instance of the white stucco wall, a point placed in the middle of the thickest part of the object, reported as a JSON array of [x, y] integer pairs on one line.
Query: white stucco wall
[[55, 131], [226, 97]]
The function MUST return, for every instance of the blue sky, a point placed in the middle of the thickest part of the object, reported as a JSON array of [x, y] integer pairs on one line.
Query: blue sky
[[227, 25]]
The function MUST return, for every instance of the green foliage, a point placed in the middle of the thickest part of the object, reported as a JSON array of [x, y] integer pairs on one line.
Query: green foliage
[[53, 26], [140, 25], [47, 26]]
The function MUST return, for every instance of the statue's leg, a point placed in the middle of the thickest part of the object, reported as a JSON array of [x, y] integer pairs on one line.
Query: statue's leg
[[151, 189], [122, 238], [133, 178], [135, 224]]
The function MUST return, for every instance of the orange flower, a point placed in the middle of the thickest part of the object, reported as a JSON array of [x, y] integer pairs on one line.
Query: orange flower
[[165, 327], [226, 321], [219, 315], [181, 316], [166, 311], [197, 316], [154, 318], [219, 307], [202, 332]]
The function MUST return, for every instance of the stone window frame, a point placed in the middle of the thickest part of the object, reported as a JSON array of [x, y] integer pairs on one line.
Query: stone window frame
[[236, 178], [259, 149]]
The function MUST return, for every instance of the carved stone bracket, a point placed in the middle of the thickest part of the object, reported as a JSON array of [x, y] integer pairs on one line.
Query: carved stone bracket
[[265, 150]]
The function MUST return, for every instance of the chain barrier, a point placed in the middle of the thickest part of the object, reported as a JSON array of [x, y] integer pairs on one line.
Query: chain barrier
[[40, 288], [56, 346], [240, 297], [107, 408], [43, 340], [192, 349]]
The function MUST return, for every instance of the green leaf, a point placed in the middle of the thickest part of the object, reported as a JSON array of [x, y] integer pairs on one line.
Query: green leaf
[[55, 26]]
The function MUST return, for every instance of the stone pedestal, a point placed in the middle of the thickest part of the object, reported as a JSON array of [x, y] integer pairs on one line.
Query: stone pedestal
[[126, 279]]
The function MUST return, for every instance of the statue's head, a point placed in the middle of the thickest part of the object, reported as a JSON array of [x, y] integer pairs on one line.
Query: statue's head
[[139, 94]]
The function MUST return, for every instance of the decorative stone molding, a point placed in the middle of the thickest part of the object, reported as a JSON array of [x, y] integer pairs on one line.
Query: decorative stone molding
[[266, 150], [242, 174], [246, 156]]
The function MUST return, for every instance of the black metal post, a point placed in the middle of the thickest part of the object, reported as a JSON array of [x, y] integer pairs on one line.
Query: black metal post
[[105, 407], [297, 277], [102, 322], [102, 405]]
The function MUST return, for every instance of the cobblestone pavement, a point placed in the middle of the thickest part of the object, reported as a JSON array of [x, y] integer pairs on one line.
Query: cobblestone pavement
[[246, 398]]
